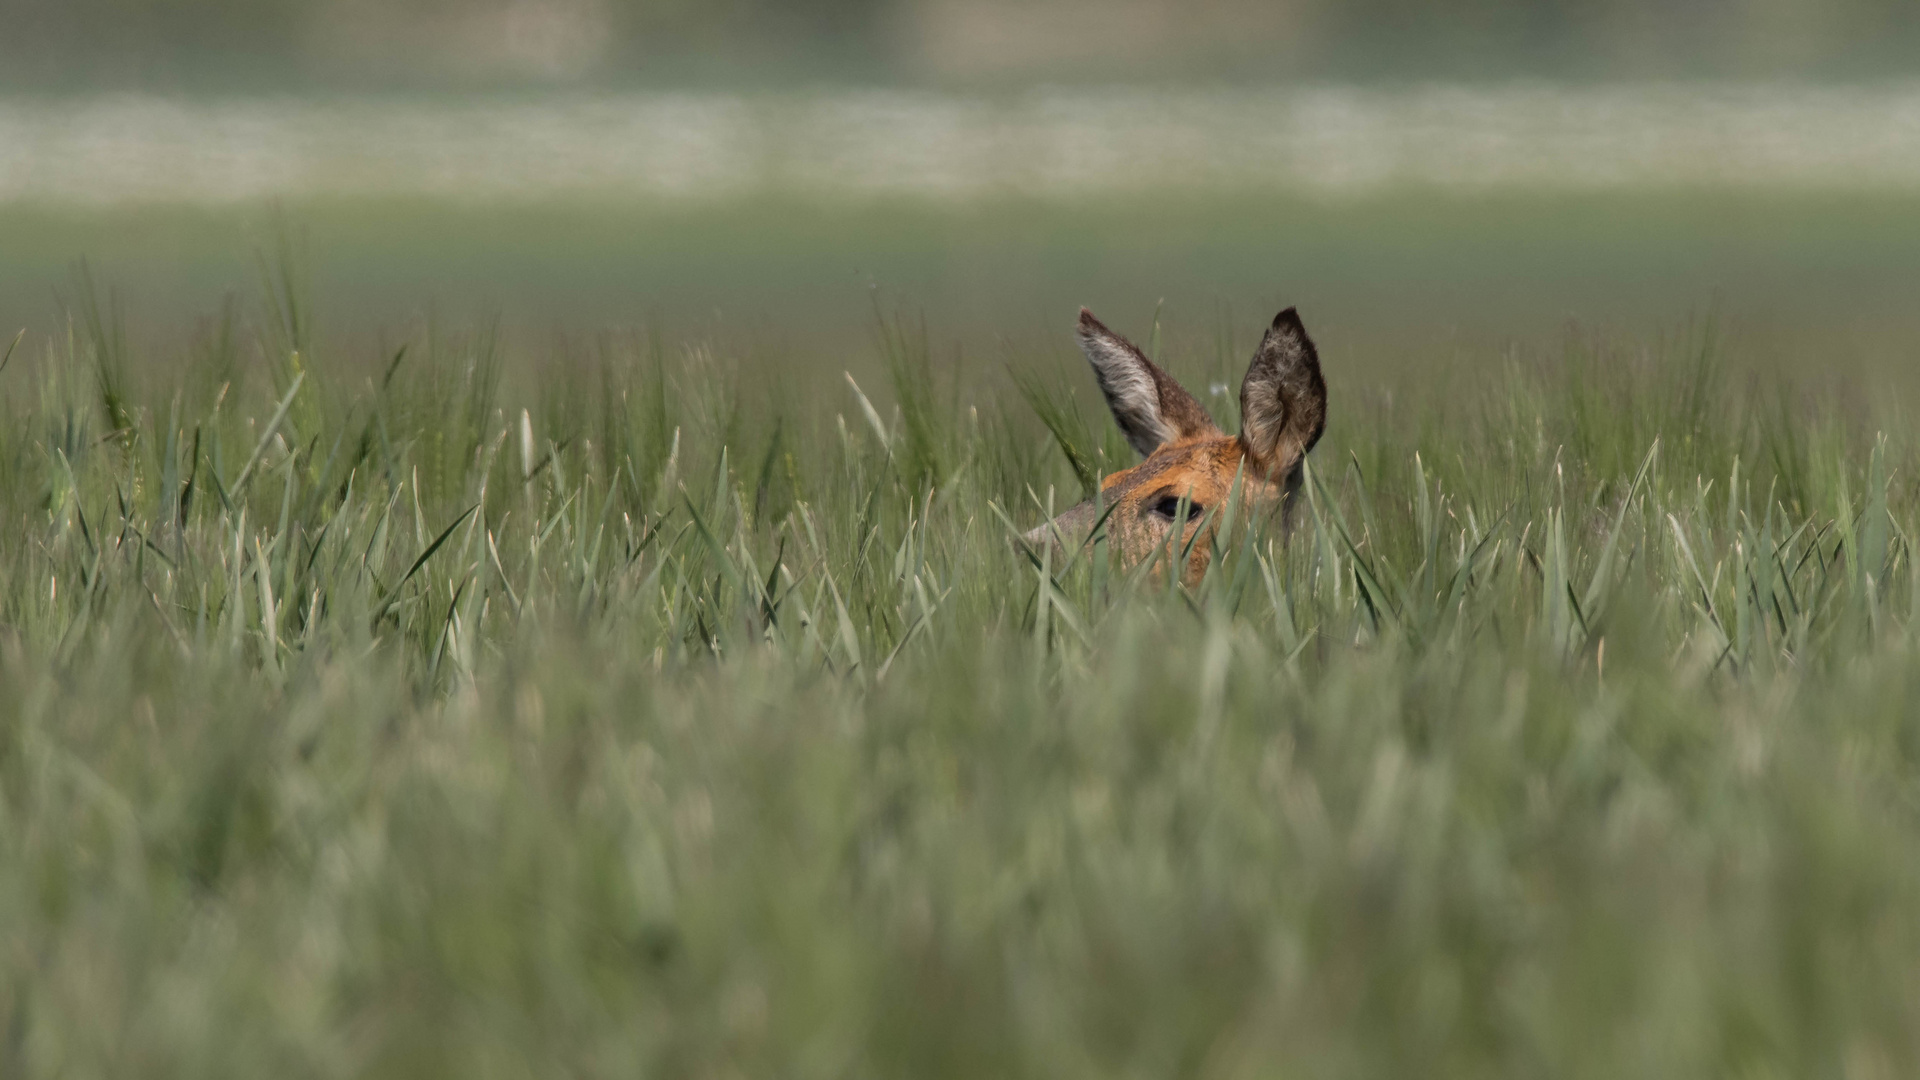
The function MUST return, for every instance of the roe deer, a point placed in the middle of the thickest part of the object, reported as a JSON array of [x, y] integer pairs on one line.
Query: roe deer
[[1283, 410]]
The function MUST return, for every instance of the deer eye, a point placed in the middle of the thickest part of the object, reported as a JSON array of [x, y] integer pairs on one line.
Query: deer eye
[[1169, 506]]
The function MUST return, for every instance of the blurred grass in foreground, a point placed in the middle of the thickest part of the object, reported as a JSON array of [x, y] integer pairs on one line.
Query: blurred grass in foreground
[[397, 714]]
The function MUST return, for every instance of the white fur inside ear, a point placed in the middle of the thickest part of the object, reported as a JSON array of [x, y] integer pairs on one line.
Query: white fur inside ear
[[1130, 390]]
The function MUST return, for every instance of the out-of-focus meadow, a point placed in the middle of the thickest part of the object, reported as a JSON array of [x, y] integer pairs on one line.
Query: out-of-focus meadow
[[508, 564], [1408, 220]]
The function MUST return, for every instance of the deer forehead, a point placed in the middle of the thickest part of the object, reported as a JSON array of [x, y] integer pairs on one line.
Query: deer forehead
[[1203, 469]]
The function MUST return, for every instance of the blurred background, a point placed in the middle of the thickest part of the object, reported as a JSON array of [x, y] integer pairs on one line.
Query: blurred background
[[283, 45], [1433, 183]]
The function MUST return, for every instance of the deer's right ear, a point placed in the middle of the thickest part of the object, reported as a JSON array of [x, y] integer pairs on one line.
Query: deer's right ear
[[1149, 406], [1283, 399]]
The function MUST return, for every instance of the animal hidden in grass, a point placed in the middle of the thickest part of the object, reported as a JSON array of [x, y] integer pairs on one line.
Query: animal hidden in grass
[[1191, 467]]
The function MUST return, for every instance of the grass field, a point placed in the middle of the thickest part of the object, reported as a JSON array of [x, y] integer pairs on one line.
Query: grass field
[[400, 698]]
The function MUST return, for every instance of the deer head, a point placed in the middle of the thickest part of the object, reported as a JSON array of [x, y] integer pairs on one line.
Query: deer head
[[1189, 465]]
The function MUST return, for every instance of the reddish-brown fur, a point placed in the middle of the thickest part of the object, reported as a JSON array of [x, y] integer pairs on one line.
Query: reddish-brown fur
[[1187, 456]]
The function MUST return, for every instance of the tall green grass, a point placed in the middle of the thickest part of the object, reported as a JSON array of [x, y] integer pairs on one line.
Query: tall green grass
[[642, 710]]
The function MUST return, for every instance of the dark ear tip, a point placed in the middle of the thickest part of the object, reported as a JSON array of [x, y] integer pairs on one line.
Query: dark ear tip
[[1288, 318]]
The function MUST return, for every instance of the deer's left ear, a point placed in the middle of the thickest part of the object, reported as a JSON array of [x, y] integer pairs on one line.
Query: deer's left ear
[[1283, 399], [1149, 406]]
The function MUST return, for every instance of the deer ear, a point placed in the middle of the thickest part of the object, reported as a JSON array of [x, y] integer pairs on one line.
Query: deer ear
[[1149, 406], [1283, 400]]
